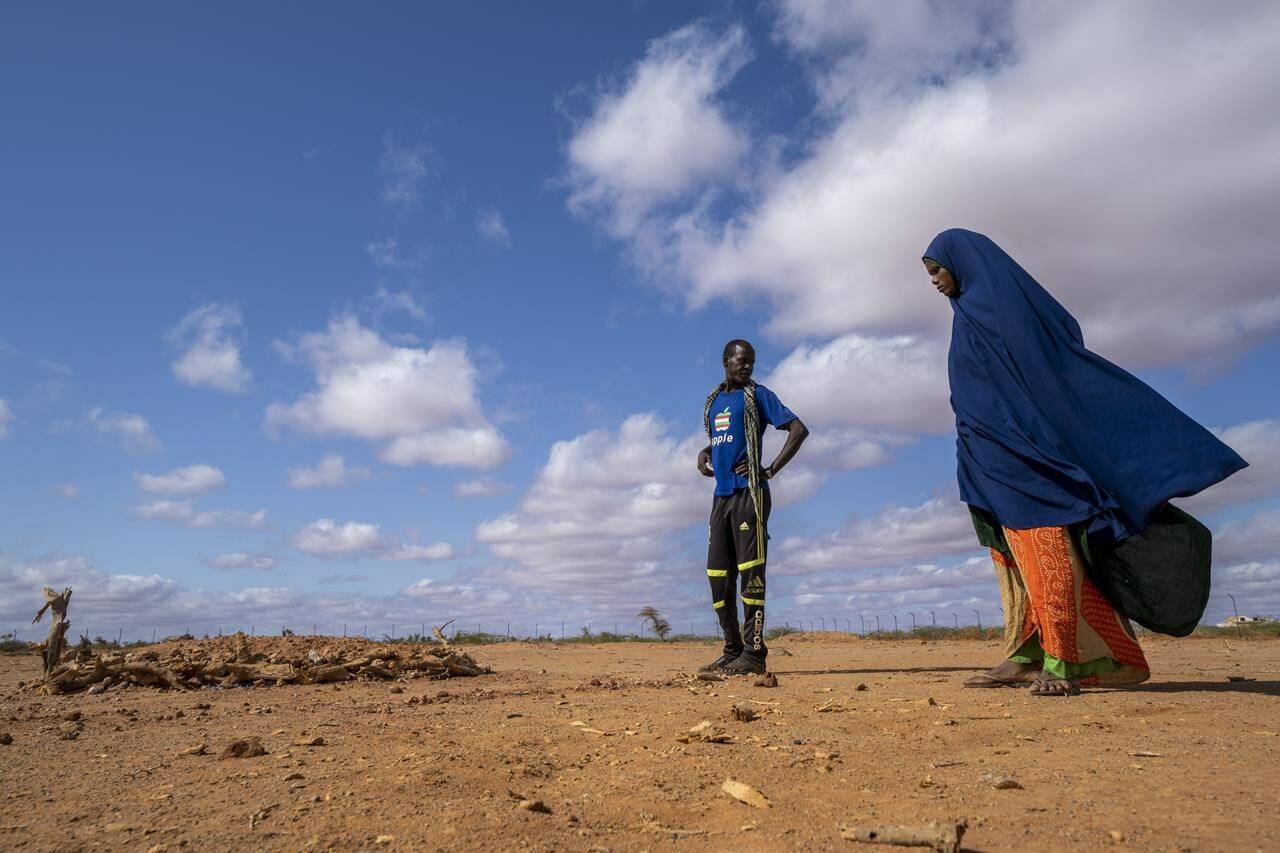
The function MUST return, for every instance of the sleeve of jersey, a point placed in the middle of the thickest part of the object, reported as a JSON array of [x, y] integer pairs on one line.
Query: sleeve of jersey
[[771, 407]]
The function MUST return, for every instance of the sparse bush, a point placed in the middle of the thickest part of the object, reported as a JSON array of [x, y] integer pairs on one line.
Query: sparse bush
[[780, 631], [9, 644], [661, 626]]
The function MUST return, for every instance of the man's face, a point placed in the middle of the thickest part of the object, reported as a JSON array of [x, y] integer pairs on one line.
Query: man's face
[[739, 364], [942, 280]]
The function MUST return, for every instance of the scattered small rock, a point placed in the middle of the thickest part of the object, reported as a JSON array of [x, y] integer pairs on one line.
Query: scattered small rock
[[860, 686], [197, 749], [5, 738], [71, 716], [705, 732], [293, 776], [1116, 836], [384, 839], [70, 731], [743, 713], [243, 748], [767, 680], [1000, 783], [315, 741], [744, 793], [535, 806], [396, 689], [1238, 678]]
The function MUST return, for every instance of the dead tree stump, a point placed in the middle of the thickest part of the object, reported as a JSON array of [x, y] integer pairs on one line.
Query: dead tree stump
[[56, 603]]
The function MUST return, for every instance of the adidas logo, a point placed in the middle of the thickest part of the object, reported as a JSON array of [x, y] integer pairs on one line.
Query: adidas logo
[[756, 585], [744, 526]]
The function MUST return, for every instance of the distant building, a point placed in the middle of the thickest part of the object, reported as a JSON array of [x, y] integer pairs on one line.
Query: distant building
[[1232, 621]]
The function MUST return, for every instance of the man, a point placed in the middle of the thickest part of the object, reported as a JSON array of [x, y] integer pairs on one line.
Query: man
[[734, 418]]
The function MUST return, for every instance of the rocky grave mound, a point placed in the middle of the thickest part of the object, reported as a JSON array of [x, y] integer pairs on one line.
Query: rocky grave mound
[[239, 659]]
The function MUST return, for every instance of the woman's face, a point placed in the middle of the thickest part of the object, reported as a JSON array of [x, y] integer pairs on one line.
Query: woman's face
[[942, 280]]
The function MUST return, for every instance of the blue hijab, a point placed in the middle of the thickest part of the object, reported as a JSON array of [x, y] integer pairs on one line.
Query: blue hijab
[[1049, 433]]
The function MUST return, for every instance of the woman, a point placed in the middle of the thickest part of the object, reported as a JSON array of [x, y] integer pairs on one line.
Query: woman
[[1058, 451]]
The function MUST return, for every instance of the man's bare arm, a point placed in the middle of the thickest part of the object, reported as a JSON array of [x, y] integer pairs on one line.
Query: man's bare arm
[[797, 432]]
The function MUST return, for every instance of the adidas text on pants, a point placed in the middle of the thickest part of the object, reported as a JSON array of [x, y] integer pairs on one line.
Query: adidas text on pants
[[736, 553]]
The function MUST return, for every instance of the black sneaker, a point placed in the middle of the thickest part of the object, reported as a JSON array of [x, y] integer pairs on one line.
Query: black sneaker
[[746, 664], [719, 663]]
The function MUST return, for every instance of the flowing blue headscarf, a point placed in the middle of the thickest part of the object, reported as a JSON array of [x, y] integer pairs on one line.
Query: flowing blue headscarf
[[1049, 433]]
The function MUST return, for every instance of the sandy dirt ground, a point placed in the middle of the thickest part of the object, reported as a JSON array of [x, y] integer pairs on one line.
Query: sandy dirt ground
[[855, 732]]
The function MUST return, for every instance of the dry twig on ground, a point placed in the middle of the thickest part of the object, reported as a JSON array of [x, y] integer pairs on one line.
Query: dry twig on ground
[[944, 838]]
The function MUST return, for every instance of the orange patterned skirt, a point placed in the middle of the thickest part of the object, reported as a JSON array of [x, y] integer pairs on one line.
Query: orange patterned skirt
[[1055, 613]]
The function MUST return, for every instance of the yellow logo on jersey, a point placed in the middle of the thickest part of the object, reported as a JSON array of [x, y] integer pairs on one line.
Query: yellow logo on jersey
[[744, 526]]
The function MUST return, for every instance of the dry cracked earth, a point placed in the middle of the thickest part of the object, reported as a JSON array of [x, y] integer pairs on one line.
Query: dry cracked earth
[[582, 747]]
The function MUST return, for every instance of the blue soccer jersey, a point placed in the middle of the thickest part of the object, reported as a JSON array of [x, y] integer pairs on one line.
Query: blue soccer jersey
[[728, 438]]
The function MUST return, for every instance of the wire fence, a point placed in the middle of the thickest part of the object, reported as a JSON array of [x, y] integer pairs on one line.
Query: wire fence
[[460, 630], [909, 624]]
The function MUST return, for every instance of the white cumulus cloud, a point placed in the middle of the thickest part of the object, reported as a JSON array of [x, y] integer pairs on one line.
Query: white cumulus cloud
[[1052, 128], [421, 404], [600, 510], [211, 338], [191, 480], [133, 431], [6, 416], [480, 487], [183, 513], [242, 560], [886, 383], [660, 134], [326, 537], [412, 551], [1259, 443], [890, 538], [330, 472]]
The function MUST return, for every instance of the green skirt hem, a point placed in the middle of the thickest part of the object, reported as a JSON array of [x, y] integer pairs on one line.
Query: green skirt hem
[[1031, 652]]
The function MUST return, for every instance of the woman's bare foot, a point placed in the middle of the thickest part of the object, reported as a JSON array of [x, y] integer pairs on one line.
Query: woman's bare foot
[[1007, 674], [1048, 684]]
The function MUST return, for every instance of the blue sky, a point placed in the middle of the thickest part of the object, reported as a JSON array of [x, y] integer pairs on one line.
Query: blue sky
[[408, 314]]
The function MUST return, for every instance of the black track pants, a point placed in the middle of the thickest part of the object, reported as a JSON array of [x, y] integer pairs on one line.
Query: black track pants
[[736, 549]]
